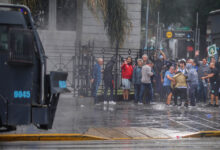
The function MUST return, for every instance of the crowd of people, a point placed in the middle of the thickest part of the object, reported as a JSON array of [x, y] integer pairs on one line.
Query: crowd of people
[[181, 83]]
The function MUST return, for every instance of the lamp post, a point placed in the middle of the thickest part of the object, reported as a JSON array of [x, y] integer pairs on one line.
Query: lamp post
[[147, 18], [116, 70]]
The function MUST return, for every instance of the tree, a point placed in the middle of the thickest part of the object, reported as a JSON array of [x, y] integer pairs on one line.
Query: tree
[[117, 24], [115, 18], [32, 4]]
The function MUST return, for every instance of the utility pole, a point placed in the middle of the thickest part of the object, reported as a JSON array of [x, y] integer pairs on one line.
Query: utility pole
[[158, 31], [197, 34], [116, 70], [146, 28]]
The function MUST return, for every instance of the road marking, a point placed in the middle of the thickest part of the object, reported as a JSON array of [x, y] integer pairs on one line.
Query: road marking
[[204, 119], [184, 125], [195, 122], [202, 124]]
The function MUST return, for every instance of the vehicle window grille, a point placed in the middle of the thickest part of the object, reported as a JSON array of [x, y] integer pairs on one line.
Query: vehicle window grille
[[21, 46]]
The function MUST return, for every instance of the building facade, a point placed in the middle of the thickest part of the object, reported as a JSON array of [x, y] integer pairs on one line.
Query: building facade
[[66, 25], [82, 26]]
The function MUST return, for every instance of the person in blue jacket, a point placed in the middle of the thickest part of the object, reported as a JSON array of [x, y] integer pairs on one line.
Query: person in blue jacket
[[192, 79], [136, 79], [96, 78]]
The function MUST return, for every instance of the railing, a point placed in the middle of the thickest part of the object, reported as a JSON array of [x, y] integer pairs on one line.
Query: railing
[[80, 64]]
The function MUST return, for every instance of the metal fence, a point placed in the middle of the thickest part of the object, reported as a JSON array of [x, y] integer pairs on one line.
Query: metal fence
[[80, 65]]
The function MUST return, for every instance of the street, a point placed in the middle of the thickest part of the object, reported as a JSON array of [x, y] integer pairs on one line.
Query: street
[[156, 126], [60, 58], [78, 115], [196, 144]]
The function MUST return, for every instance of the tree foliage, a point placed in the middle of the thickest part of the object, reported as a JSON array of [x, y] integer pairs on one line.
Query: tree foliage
[[39, 10], [32, 4], [115, 18]]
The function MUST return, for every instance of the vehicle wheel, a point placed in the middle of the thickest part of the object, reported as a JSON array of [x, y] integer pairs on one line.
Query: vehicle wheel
[[11, 128], [0, 122], [44, 127]]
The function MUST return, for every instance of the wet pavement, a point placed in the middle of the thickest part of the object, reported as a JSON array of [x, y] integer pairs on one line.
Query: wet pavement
[[78, 115], [190, 144], [126, 119]]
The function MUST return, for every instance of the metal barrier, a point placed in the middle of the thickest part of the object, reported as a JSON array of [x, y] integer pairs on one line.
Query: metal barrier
[[80, 65]]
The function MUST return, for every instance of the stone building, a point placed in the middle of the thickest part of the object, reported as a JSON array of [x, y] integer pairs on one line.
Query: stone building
[[71, 22], [79, 24], [65, 25]]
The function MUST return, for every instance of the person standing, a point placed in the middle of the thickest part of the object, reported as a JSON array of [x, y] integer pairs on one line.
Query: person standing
[[145, 59], [158, 68], [136, 79], [180, 89], [203, 70], [96, 78], [146, 82], [182, 67], [213, 76], [108, 80], [152, 78], [127, 71], [192, 79], [167, 84]]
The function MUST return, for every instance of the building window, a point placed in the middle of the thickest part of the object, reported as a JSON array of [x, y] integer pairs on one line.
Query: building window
[[3, 38], [66, 15], [41, 16]]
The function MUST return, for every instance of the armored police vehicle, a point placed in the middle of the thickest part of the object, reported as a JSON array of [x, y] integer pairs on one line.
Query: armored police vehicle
[[27, 94]]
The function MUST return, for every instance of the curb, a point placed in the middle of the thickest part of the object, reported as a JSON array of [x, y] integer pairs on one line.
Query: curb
[[203, 134], [48, 137], [84, 137]]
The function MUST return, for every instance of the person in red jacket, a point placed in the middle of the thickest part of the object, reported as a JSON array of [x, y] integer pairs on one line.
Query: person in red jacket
[[126, 71]]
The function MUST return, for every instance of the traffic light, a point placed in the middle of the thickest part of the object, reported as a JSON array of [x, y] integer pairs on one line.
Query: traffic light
[[190, 46]]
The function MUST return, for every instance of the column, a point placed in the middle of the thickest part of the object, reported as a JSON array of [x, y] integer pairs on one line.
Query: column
[[52, 14]]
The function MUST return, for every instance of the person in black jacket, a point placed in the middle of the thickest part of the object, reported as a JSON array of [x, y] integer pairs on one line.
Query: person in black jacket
[[108, 80], [213, 77]]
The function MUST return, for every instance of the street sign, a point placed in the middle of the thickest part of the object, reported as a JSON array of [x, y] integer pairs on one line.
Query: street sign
[[212, 50], [178, 34], [183, 29], [169, 34], [183, 34]]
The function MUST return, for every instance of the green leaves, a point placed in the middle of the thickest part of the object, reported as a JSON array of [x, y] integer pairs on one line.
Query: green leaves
[[32, 4], [115, 18]]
